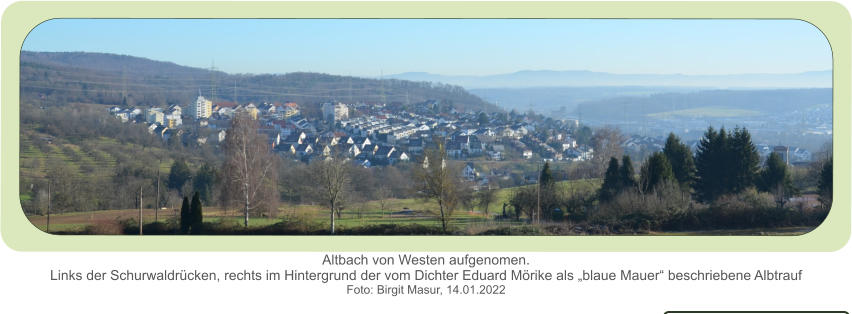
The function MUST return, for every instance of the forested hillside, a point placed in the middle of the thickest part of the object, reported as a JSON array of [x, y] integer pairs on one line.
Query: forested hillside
[[55, 78], [759, 101]]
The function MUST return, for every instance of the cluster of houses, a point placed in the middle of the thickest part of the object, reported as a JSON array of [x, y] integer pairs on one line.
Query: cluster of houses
[[789, 154], [162, 122], [362, 150], [377, 134], [370, 134]]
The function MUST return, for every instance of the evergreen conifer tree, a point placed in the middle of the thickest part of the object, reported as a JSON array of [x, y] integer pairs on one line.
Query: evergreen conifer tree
[[196, 216], [626, 173], [179, 174], [612, 181], [680, 157], [744, 161], [725, 163], [546, 175], [708, 157], [185, 216], [655, 171], [775, 178], [825, 184]]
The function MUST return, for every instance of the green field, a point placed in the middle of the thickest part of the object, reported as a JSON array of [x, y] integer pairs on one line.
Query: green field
[[396, 211]]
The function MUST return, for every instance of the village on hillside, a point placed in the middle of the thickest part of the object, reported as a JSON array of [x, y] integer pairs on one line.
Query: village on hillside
[[375, 135]]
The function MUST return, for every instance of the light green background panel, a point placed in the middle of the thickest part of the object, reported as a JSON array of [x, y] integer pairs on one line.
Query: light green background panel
[[18, 233]]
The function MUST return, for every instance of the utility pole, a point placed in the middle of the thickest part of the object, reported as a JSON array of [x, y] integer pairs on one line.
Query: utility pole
[[538, 198], [123, 83], [140, 209], [157, 203], [48, 206], [213, 81], [382, 81]]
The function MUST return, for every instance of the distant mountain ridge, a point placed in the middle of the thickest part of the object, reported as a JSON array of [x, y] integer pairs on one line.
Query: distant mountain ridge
[[63, 77], [550, 78]]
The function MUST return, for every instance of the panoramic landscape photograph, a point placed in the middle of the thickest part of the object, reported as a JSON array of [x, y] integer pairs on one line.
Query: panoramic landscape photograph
[[444, 127]]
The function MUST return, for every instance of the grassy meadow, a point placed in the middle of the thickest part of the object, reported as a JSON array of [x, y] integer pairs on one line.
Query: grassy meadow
[[397, 211]]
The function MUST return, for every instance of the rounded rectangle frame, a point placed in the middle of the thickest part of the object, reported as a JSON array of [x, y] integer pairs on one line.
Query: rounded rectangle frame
[[18, 19]]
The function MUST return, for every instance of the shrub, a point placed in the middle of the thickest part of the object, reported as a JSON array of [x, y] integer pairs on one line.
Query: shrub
[[159, 228], [632, 209], [580, 202], [514, 230], [558, 215], [129, 226], [746, 209], [394, 229]]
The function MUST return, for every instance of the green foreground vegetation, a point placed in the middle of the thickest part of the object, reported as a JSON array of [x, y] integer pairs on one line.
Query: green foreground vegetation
[[408, 213]]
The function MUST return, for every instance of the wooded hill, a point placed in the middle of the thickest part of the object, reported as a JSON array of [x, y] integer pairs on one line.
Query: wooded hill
[[763, 102], [56, 78]]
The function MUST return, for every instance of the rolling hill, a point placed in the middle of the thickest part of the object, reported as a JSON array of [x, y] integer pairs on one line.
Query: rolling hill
[[52, 78], [711, 102]]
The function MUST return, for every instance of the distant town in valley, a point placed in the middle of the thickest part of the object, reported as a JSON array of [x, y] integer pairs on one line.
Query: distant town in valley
[[123, 145]]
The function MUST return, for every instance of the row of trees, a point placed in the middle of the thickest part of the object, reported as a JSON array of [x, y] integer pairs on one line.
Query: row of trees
[[724, 163], [725, 172], [191, 215]]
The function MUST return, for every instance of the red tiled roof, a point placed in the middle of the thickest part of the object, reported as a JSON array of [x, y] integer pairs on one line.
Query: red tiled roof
[[226, 104]]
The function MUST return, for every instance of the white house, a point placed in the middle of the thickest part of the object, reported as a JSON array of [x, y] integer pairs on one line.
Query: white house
[[469, 172]]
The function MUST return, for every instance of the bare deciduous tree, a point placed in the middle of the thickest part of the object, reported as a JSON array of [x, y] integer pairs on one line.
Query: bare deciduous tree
[[249, 170], [332, 176], [486, 196], [435, 180], [606, 143], [383, 193]]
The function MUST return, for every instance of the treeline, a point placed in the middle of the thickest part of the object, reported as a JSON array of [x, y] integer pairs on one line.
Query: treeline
[[722, 185], [58, 78]]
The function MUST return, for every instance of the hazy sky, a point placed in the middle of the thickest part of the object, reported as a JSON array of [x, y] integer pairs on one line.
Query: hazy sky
[[458, 47]]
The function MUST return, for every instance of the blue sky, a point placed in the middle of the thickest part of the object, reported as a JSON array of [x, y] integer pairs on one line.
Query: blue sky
[[451, 47]]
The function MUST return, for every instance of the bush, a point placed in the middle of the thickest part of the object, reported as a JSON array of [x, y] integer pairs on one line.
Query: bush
[[393, 229], [634, 210], [580, 203], [129, 226], [558, 215], [526, 230], [159, 228], [747, 209]]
